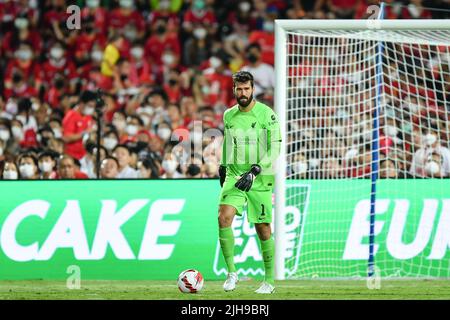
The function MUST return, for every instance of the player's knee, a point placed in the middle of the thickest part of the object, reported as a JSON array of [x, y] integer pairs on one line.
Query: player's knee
[[263, 230], [225, 217]]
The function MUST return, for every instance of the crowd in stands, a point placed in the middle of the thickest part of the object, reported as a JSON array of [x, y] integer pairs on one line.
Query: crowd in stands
[[157, 72]]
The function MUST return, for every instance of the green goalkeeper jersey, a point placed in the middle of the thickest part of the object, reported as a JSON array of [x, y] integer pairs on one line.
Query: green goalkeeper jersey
[[251, 137]]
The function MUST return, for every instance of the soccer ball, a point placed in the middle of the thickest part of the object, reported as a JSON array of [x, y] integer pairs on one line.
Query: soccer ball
[[190, 281]]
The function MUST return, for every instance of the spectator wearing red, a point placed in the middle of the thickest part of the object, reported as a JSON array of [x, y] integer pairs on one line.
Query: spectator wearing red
[[220, 83], [168, 11], [126, 15], [84, 43], [199, 14], [58, 63], [19, 88], [140, 69], [21, 34], [98, 14], [242, 19], [24, 64], [159, 42], [76, 123]]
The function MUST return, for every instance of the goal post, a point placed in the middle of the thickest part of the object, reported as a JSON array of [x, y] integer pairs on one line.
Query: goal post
[[327, 101]]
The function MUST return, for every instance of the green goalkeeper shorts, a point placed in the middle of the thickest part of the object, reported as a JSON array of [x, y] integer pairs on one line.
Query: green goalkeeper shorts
[[259, 201]]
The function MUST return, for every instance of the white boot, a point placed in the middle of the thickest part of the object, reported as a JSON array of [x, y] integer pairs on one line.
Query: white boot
[[265, 288], [230, 283]]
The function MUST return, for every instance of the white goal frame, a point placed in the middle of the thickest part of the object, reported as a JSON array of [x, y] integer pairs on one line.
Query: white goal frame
[[281, 28]]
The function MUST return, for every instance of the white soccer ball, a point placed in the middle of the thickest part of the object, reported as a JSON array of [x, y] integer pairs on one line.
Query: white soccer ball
[[190, 281]]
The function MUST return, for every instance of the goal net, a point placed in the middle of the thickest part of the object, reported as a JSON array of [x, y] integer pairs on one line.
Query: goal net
[[364, 107]]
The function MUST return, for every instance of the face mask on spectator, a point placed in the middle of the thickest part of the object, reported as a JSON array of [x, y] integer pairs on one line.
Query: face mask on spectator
[[57, 133], [21, 23], [429, 139], [300, 167], [215, 62], [339, 130], [391, 131], [45, 166], [244, 6], [164, 4], [168, 59], [56, 53], [93, 3], [97, 55], [130, 34], [23, 54], [26, 170], [88, 111], [119, 124], [199, 4], [268, 26], [126, 3], [314, 163], [252, 57], [432, 168], [109, 143], [132, 129], [10, 175], [200, 33], [4, 135], [11, 106], [161, 29], [17, 133], [169, 166], [164, 133], [137, 52]]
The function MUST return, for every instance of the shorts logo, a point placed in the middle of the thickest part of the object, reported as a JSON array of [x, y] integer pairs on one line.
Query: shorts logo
[[253, 124]]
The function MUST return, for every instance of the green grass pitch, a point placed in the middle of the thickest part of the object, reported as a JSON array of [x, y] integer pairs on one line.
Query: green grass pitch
[[212, 290]]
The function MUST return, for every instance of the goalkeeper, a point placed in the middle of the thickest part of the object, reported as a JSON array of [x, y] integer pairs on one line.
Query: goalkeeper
[[251, 144]]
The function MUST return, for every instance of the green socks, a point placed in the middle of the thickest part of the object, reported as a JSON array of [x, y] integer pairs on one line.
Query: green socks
[[226, 239], [268, 250]]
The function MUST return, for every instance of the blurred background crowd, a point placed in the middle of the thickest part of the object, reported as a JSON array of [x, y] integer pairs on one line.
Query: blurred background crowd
[[164, 69]]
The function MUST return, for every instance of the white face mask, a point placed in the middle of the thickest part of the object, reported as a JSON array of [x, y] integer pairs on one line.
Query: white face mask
[[17, 133], [244, 6], [300, 167], [132, 129], [391, 131], [109, 143], [164, 133], [23, 54], [21, 23], [168, 59], [137, 52], [429, 139], [57, 133], [119, 124], [93, 3], [88, 111], [314, 163], [56, 53], [215, 62], [4, 135], [26, 170], [169, 166], [432, 168], [200, 33], [126, 3], [340, 130], [10, 175], [46, 166], [97, 55]]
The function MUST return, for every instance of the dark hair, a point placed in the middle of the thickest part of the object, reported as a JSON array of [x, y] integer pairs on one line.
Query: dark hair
[[242, 77], [255, 45], [28, 155], [122, 146], [113, 159], [48, 153], [87, 96]]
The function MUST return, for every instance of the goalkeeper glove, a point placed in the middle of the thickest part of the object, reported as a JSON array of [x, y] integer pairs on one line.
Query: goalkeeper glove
[[222, 174], [246, 180]]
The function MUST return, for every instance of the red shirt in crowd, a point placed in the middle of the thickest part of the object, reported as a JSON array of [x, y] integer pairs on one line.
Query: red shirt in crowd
[[155, 46], [267, 42], [100, 18], [75, 123], [49, 70], [33, 39], [118, 19], [30, 71]]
